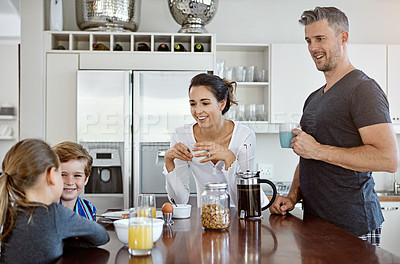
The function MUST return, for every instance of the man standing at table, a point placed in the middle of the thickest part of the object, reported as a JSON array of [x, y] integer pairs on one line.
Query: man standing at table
[[346, 134]]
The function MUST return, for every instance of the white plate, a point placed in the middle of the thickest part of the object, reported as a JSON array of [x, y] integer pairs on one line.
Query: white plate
[[118, 215], [115, 215]]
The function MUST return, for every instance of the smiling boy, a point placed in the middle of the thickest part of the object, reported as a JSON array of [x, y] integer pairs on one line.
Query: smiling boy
[[76, 165]]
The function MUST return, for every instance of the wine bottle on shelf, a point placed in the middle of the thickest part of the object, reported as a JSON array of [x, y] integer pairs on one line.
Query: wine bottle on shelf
[[163, 47], [179, 47], [143, 47], [118, 47], [198, 47], [100, 46]]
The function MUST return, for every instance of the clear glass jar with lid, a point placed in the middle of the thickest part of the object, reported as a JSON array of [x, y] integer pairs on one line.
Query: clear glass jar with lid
[[215, 202]]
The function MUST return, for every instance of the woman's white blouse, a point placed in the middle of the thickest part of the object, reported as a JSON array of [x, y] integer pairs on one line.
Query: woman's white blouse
[[177, 181]]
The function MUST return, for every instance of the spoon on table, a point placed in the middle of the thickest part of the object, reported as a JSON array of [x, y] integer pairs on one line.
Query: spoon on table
[[173, 201]]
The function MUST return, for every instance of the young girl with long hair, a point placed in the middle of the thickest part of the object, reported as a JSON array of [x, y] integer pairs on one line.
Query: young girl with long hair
[[34, 227]]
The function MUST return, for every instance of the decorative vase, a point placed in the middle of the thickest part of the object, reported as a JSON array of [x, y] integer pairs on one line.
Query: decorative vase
[[108, 15], [193, 15]]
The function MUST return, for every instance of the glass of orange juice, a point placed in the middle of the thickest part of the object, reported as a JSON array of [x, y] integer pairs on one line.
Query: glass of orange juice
[[140, 231], [148, 201]]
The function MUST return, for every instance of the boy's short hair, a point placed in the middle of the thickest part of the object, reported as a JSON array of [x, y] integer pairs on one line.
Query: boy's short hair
[[68, 151]]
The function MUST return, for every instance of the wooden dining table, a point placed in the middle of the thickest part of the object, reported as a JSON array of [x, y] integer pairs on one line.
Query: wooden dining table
[[274, 239]]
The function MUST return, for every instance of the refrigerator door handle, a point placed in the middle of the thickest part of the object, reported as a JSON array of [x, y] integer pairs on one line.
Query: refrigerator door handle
[[161, 153], [160, 156]]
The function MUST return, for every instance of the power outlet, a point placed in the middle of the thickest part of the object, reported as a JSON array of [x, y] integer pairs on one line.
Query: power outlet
[[266, 170]]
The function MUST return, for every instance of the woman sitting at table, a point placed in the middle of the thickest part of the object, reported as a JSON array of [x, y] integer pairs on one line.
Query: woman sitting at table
[[228, 147]]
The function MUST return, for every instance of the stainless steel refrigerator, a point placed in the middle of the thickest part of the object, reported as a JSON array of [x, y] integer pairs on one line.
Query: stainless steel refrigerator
[[104, 110], [160, 104], [131, 113]]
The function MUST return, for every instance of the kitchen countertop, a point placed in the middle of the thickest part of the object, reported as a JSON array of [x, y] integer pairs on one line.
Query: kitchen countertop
[[389, 198], [382, 198], [274, 239]]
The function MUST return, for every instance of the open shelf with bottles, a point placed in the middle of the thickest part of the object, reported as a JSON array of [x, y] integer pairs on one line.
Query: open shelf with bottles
[[163, 43], [80, 41]]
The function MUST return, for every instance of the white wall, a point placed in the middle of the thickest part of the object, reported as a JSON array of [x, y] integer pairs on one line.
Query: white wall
[[371, 21], [32, 94], [10, 25]]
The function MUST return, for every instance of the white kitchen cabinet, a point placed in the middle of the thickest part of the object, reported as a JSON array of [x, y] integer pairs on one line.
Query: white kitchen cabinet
[[393, 89], [294, 75], [61, 108], [130, 53], [372, 60], [390, 228], [126, 42]]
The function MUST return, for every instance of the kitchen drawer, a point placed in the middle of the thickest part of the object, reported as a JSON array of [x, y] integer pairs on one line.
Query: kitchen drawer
[[390, 228]]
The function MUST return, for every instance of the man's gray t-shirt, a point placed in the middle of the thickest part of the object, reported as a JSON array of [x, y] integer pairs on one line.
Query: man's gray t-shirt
[[343, 197], [42, 238]]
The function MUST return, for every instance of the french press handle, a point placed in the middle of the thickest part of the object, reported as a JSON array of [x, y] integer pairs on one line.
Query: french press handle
[[273, 192]]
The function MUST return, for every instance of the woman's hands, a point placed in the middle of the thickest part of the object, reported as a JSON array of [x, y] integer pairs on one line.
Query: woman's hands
[[178, 151], [215, 152], [212, 152]]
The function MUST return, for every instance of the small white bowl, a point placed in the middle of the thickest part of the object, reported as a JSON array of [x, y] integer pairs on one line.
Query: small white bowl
[[122, 229], [182, 211]]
